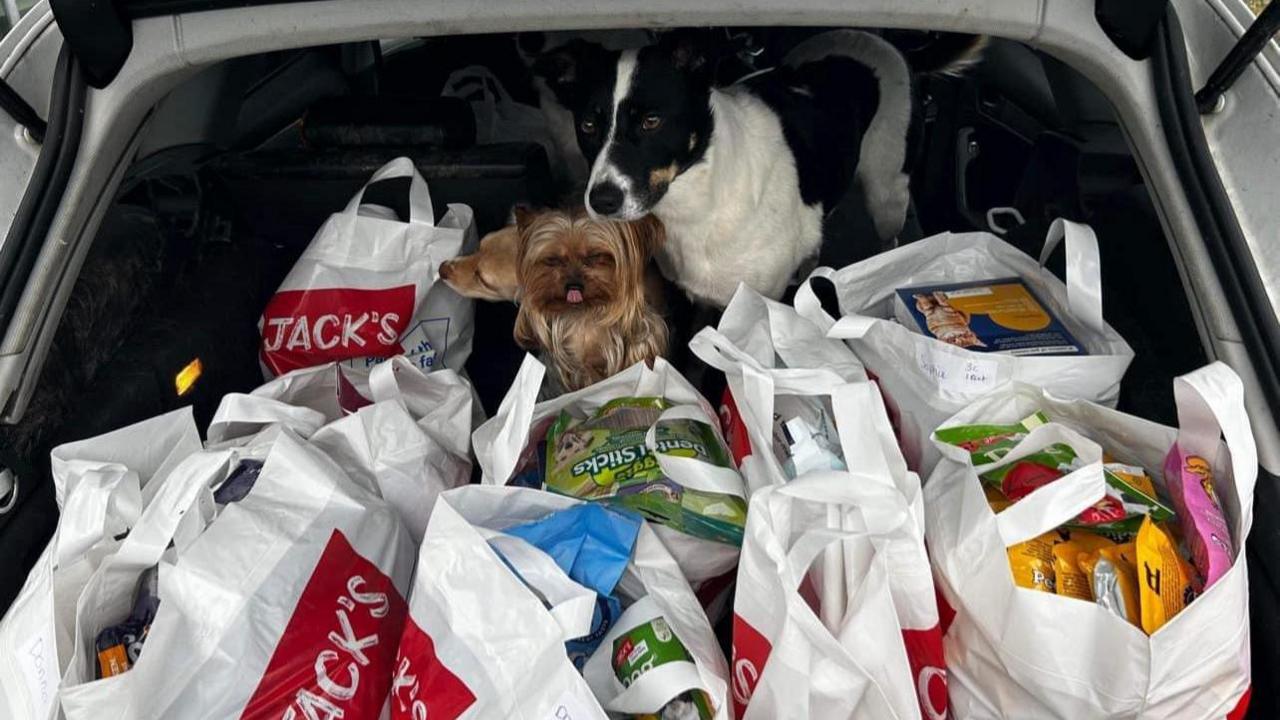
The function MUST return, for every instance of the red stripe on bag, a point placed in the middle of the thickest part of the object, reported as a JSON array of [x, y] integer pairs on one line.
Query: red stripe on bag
[[750, 653], [929, 668], [1242, 707], [335, 657], [304, 328], [735, 431], [424, 687], [946, 613]]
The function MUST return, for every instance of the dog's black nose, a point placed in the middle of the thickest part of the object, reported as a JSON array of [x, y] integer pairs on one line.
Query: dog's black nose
[[605, 198]]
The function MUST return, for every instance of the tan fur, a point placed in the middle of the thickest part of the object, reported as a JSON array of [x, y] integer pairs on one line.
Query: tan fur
[[618, 323], [663, 176], [490, 272]]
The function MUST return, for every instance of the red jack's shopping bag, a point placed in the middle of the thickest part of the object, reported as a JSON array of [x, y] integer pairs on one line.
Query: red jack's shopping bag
[[288, 602], [366, 287]]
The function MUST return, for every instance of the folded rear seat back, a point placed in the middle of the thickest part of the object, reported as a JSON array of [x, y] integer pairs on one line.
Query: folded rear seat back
[[286, 194], [390, 121]]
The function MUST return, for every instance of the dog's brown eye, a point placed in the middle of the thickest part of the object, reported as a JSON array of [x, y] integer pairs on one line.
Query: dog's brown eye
[[651, 122], [599, 259], [588, 126], [552, 262]]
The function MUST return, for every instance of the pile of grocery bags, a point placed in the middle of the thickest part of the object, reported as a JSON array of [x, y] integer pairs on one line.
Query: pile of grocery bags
[[881, 520]]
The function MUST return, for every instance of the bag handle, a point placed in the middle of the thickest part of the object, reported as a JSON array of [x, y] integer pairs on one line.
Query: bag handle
[[384, 385], [866, 435], [1211, 408], [806, 302], [656, 687], [1057, 502], [882, 511], [718, 351], [1084, 270], [112, 477], [690, 472], [426, 397], [858, 406], [882, 507], [759, 384], [109, 490], [146, 543], [806, 549], [241, 409], [570, 603], [509, 428], [421, 210]]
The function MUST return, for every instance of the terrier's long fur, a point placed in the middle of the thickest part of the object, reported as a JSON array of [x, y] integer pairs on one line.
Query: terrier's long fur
[[615, 319], [615, 324]]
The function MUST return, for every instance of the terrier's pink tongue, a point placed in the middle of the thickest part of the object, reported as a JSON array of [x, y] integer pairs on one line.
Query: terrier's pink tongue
[[574, 296]]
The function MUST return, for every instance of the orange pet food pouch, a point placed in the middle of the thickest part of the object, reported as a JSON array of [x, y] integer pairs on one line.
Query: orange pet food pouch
[[1032, 562], [1164, 585], [1070, 578]]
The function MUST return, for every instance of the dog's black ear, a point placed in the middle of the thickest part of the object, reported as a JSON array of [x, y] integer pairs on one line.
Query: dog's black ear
[[563, 69], [692, 50], [531, 43]]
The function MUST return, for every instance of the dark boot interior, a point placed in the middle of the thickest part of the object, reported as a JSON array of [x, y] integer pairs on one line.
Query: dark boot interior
[[241, 165]]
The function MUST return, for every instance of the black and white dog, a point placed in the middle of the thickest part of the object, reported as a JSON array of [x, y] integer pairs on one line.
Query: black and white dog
[[741, 176]]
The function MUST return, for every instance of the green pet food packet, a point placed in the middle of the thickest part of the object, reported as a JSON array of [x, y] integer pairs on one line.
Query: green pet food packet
[[651, 645], [605, 458], [1130, 497], [988, 443]]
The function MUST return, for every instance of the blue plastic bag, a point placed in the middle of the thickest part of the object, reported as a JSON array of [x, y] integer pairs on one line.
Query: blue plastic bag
[[592, 544]]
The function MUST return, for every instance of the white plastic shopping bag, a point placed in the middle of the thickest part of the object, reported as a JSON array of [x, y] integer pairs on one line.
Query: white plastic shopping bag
[[926, 380], [774, 362], [1017, 652], [507, 443], [101, 485], [877, 478], [499, 117], [756, 332], [366, 287], [466, 655], [393, 427], [775, 335], [288, 603], [790, 661]]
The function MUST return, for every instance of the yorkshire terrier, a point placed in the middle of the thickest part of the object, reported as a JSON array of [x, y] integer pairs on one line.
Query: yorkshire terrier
[[590, 299]]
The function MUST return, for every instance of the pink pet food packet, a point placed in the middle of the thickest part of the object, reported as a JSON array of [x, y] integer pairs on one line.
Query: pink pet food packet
[[1189, 480]]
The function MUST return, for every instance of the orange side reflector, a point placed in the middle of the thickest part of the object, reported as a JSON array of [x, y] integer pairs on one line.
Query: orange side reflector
[[187, 377]]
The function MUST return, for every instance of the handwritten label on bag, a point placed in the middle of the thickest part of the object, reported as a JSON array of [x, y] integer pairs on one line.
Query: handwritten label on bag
[[336, 656], [570, 706], [960, 374], [423, 687], [38, 659]]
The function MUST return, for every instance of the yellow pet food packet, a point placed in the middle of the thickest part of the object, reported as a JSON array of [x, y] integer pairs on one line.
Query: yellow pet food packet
[[1070, 579], [1032, 562], [1164, 587]]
